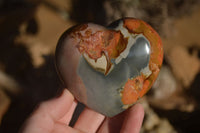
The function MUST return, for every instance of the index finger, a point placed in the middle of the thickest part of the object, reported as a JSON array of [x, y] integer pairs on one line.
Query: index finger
[[57, 107], [50, 112]]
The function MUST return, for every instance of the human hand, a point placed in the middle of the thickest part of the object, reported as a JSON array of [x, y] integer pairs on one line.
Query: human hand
[[54, 116]]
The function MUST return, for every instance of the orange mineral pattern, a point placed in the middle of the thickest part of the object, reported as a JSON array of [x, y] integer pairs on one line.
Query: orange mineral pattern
[[109, 68]]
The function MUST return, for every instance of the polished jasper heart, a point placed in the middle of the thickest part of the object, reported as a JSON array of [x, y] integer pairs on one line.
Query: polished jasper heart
[[109, 68]]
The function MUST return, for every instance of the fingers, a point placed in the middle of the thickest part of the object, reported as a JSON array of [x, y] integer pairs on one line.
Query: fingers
[[112, 125], [89, 121], [129, 121], [68, 116], [133, 120], [49, 112], [62, 128], [58, 107]]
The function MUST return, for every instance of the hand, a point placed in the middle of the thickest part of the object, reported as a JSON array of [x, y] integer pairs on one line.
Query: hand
[[53, 116]]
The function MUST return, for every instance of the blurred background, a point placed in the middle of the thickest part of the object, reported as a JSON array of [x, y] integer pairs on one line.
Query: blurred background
[[29, 31]]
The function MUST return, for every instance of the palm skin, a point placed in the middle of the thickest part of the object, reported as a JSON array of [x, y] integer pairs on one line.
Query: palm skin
[[53, 116]]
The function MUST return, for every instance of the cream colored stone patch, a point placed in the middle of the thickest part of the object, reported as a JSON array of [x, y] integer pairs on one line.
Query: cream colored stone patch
[[100, 64], [131, 40], [146, 71]]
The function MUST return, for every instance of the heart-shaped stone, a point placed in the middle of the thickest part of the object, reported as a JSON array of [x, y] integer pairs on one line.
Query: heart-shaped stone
[[109, 68]]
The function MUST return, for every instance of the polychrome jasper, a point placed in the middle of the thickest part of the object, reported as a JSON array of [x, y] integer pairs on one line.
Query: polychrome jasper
[[109, 68]]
